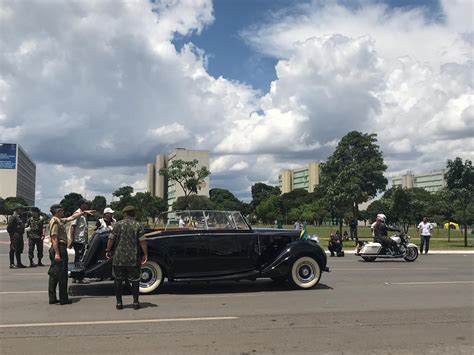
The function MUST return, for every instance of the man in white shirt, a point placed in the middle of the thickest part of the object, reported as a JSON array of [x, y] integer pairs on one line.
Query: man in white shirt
[[79, 234], [424, 228]]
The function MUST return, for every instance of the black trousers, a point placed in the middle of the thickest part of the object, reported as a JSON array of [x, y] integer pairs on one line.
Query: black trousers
[[79, 249], [32, 242], [61, 278], [335, 248]]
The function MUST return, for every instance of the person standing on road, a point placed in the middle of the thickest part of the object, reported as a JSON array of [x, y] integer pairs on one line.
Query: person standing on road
[[127, 238], [79, 235], [35, 236], [15, 229], [424, 228], [58, 253], [353, 226]]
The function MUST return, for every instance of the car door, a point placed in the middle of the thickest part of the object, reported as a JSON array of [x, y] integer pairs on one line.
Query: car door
[[231, 251]]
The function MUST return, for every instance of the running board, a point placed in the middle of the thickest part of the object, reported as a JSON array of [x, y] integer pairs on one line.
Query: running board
[[249, 275]]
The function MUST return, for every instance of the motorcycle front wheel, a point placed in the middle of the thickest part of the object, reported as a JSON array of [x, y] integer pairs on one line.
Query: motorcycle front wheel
[[412, 254]]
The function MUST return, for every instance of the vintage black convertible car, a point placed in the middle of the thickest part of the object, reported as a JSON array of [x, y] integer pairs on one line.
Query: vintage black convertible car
[[213, 246]]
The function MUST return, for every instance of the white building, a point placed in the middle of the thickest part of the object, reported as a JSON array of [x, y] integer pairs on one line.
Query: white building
[[157, 185], [17, 173]]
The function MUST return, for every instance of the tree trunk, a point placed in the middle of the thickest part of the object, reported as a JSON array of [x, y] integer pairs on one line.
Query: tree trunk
[[465, 235]]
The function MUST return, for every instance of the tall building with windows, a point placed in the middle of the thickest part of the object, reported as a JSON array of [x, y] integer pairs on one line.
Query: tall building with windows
[[432, 181], [306, 178], [170, 190], [17, 173]]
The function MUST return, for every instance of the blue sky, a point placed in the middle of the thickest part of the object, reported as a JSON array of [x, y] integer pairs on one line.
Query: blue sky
[[113, 83], [228, 54]]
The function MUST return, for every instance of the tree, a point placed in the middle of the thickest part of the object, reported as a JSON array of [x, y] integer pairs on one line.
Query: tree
[[99, 203], [224, 200], [8, 205], [71, 202], [193, 202], [357, 166], [148, 206], [269, 210], [261, 191], [186, 174], [460, 181], [124, 194]]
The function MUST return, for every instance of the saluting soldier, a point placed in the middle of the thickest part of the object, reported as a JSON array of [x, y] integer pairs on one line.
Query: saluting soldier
[[127, 238], [58, 253], [15, 229], [35, 236]]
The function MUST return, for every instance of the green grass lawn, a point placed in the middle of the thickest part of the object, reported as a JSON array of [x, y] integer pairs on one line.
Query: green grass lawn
[[439, 240]]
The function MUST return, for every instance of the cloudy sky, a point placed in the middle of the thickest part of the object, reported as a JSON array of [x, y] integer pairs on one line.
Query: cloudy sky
[[93, 90]]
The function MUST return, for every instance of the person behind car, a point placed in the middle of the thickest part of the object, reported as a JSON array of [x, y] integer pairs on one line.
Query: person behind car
[[35, 236], [107, 220], [127, 237], [79, 235], [58, 253], [15, 229], [335, 244], [380, 232]]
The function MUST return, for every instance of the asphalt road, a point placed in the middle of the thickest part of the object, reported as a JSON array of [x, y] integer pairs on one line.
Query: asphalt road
[[386, 307]]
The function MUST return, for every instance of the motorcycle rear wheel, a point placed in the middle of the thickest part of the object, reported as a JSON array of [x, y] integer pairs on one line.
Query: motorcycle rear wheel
[[412, 254]]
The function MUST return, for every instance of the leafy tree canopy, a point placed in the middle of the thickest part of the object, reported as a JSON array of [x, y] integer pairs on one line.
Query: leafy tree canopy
[[261, 191], [99, 203], [70, 203], [193, 202], [353, 174], [186, 174]]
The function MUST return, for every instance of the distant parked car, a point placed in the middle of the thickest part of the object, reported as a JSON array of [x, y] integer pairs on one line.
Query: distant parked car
[[213, 246]]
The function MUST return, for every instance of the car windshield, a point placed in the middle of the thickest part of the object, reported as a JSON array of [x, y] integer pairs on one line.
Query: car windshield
[[204, 220]]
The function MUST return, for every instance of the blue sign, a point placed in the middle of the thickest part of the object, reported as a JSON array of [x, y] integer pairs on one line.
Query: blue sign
[[7, 156]]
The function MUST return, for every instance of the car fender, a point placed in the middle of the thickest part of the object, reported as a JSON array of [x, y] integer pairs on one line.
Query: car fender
[[161, 257], [281, 265], [411, 245]]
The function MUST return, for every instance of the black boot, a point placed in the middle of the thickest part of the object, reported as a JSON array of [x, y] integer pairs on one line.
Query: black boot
[[32, 264], [135, 293], [18, 261], [40, 263], [118, 293]]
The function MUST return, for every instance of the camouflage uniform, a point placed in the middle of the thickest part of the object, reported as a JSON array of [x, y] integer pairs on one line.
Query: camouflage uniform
[[126, 236], [35, 237], [57, 227], [15, 229]]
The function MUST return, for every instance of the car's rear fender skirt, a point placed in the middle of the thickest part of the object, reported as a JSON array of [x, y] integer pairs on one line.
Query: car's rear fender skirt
[[283, 262]]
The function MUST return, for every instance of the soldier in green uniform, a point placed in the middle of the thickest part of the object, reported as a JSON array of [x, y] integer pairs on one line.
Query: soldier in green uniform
[[15, 229], [35, 236], [58, 253], [127, 238]]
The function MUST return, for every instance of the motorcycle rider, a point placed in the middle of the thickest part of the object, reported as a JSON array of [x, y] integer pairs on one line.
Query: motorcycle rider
[[380, 229]]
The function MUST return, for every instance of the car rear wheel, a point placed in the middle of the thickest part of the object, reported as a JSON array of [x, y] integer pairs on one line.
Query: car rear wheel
[[151, 277], [305, 273], [369, 258]]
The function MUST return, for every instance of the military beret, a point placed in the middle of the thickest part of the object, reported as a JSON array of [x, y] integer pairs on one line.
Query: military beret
[[128, 209]]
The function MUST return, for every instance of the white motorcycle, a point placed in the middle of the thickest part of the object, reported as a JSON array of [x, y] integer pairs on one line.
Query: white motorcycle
[[369, 251]]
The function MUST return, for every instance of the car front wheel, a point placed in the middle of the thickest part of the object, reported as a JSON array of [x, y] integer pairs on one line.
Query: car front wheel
[[305, 273], [151, 277]]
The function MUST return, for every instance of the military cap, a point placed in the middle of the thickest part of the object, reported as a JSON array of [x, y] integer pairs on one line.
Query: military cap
[[128, 209], [18, 207], [35, 209]]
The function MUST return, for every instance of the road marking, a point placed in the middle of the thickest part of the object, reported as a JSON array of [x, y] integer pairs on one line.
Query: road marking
[[17, 292], [430, 283], [103, 322], [389, 268]]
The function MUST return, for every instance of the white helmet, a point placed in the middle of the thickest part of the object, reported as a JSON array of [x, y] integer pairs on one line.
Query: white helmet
[[381, 216]]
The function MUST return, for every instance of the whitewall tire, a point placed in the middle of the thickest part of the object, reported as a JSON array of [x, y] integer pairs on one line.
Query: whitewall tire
[[305, 273], [151, 277]]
